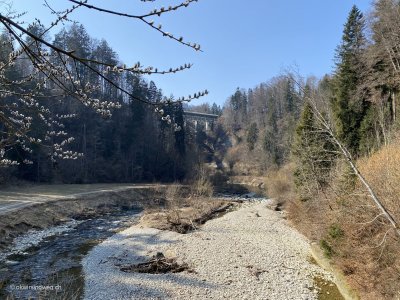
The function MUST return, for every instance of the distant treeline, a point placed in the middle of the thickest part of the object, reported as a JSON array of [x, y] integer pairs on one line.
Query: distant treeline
[[306, 137], [360, 97], [132, 145]]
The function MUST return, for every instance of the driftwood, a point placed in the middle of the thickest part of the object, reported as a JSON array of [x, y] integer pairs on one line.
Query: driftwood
[[158, 264], [213, 213], [186, 225]]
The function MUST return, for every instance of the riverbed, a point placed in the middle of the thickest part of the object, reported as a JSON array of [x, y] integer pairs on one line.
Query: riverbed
[[47, 263], [249, 253], [265, 257]]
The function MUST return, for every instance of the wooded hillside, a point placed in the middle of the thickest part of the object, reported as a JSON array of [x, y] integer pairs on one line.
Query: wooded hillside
[[315, 138], [132, 144]]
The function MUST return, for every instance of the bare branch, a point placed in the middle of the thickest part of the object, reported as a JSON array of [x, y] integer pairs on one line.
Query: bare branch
[[348, 158]]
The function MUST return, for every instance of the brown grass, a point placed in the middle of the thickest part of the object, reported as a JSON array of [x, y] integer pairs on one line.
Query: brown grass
[[202, 185], [347, 223], [186, 218], [174, 196], [187, 207], [382, 170], [279, 183]]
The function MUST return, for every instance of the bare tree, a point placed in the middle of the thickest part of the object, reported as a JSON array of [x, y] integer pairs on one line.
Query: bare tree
[[385, 52], [325, 125]]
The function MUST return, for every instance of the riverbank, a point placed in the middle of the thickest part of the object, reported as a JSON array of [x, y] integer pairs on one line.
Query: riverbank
[[248, 253], [51, 254], [65, 202]]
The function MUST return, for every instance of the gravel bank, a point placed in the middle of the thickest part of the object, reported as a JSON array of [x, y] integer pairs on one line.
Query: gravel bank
[[250, 253]]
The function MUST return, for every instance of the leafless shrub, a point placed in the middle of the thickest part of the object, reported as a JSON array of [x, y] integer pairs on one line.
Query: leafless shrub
[[279, 183], [232, 157], [202, 186], [174, 196], [366, 244]]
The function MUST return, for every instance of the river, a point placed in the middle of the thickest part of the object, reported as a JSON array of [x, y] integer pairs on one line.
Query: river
[[46, 264]]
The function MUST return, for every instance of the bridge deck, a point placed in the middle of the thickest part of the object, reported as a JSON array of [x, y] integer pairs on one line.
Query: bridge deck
[[200, 115]]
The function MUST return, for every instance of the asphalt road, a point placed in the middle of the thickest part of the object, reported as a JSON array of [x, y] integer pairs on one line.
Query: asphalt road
[[15, 198]]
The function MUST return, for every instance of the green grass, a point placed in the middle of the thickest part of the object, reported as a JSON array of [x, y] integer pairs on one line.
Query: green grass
[[328, 251], [335, 231]]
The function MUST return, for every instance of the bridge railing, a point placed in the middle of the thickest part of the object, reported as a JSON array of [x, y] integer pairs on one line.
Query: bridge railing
[[195, 118]]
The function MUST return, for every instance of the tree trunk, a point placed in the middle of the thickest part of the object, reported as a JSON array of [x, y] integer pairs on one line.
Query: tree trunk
[[326, 127], [394, 105]]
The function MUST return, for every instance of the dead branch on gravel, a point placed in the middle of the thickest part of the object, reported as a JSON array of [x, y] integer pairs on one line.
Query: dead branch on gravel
[[158, 264]]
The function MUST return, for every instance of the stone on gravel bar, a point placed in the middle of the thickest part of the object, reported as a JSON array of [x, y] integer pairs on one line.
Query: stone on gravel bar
[[250, 253]]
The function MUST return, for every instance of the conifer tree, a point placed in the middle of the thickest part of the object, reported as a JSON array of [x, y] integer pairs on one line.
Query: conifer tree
[[252, 136], [313, 153], [76, 71], [349, 110]]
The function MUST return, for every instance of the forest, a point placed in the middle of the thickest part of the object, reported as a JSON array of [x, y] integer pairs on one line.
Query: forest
[[303, 134], [133, 144], [327, 148]]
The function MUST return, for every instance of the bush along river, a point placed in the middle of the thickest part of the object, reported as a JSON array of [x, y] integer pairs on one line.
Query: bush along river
[[46, 264]]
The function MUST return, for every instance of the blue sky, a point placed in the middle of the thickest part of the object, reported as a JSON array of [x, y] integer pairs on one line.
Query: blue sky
[[245, 42]]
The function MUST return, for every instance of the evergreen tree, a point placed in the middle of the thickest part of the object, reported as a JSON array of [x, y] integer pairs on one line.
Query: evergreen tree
[[312, 151], [103, 52], [252, 136], [349, 110], [216, 109], [238, 103]]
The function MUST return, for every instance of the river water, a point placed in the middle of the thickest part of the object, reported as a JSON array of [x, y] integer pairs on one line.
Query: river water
[[47, 264]]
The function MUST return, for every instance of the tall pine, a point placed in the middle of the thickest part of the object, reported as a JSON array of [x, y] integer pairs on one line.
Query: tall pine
[[349, 110]]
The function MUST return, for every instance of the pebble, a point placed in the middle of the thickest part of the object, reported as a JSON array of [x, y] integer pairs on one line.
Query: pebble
[[249, 257]]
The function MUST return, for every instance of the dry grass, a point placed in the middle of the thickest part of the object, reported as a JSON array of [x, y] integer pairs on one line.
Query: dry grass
[[186, 210], [346, 222], [382, 170], [174, 196], [189, 217], [279, 183], [202, 185], [378, 248]]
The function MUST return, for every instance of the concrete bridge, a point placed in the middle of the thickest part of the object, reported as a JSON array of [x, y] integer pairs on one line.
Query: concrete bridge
[[196, 118]]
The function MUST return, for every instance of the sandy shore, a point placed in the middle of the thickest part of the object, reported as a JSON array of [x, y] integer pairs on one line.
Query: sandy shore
[[250, 253]]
